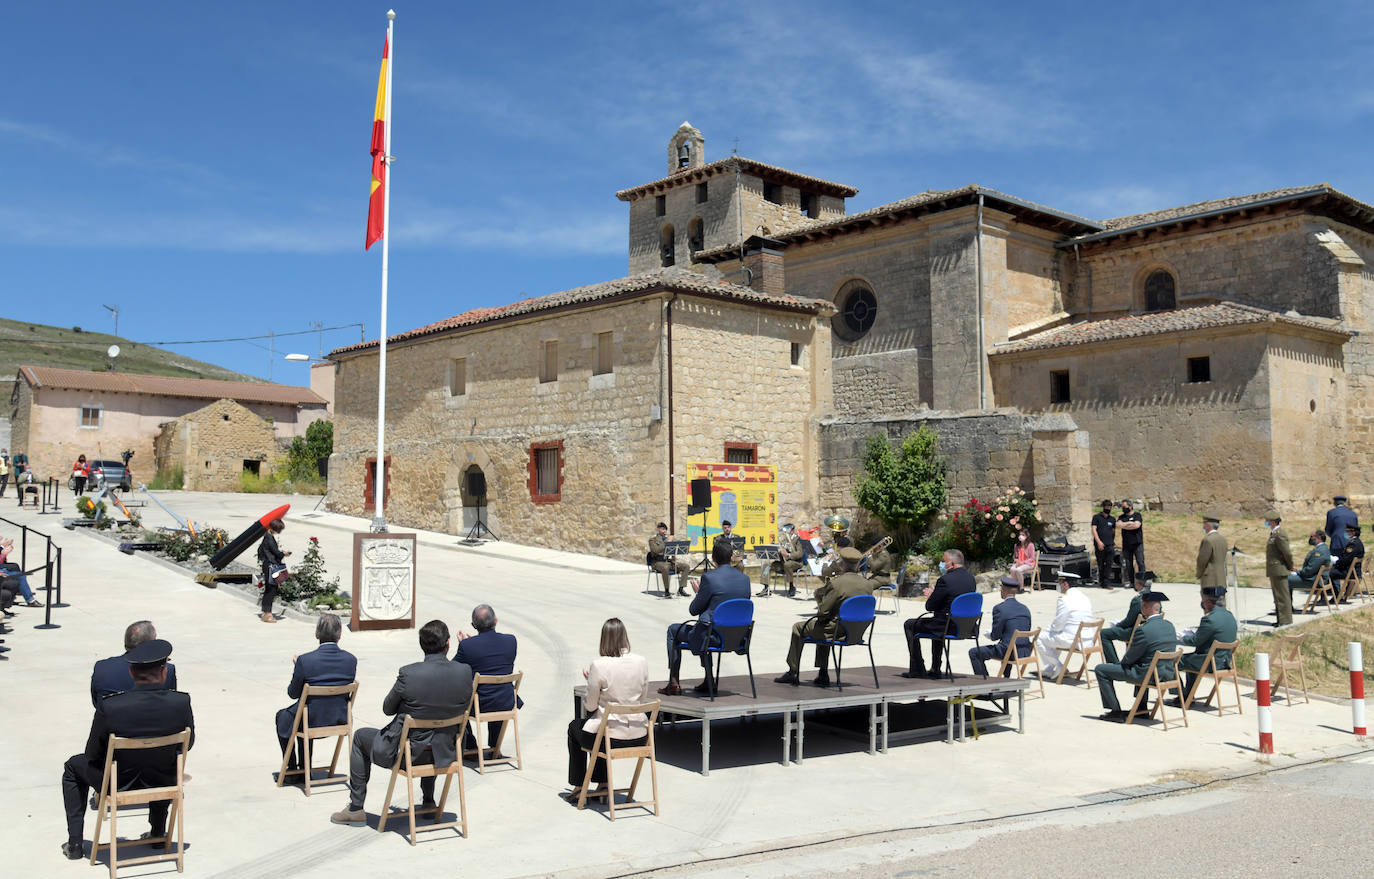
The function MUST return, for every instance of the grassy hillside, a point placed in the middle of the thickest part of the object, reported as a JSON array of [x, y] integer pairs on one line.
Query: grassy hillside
[[35, 344]]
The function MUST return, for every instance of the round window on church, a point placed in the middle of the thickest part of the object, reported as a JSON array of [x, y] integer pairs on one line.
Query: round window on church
[[858, 310]]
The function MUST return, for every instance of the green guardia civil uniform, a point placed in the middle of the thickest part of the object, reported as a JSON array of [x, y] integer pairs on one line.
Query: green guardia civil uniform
[[1153, 635], [1278, 562], [1218, 625], [1211, 560], [880, 568], [1121, 631]]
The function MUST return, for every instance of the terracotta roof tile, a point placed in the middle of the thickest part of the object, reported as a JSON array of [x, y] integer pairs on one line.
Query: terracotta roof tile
[[749, 166], [168, 386], [1221, 314], [659, 279]]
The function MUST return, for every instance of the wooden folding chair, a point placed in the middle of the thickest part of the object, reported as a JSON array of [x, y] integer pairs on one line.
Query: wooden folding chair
[[1321, 588], [1209, 669], [111, 798], [304, 733], [510, 717], [1093, 631], [1035, 583], [602, 749], [1154, 682], [1361, 584], [406, 766], [1286, 660], [1351, 583], [1011, 660]]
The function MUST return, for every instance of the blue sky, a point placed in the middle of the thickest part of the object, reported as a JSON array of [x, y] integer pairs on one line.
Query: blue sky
[[205, 166]]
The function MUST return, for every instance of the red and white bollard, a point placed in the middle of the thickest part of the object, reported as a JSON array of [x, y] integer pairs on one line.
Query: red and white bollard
[[1357, 688], [1266, 720]]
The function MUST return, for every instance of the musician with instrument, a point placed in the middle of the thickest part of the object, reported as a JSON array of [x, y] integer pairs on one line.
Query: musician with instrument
[[877, 563], [839, 532], [727, 534], [658, 560], [791, 558]]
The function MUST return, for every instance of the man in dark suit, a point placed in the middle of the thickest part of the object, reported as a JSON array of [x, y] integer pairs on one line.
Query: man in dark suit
[[720, 584], [489, 652], [1008, 617], [112, 675], [954, 580], [146, 710], [427, 690], [1153, 635], [1337, 519], [325, 666]]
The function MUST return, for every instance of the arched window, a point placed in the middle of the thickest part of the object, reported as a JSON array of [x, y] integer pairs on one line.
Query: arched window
[[696, 235], [666, 248], [1159, 291], [858, 309]]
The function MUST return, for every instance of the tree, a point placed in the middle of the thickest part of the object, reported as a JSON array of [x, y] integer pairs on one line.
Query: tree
[[903, 488], [317, 443]]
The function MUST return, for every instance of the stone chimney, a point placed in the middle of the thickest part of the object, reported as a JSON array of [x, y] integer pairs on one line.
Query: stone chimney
[[763, 265]]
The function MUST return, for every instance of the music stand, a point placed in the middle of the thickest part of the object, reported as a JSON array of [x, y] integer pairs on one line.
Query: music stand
[[766, 553], [479, 527]]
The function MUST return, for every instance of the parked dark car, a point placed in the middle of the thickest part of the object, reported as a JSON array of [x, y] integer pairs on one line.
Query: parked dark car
[[116, 474]]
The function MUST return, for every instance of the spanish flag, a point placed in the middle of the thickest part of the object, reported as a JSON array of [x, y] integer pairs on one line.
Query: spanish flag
[[375, 229]]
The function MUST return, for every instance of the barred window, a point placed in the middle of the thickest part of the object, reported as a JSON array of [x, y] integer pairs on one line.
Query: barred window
[[741, 453]]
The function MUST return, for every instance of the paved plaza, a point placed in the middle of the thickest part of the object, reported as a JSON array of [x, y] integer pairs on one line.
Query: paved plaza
[[236, 669]]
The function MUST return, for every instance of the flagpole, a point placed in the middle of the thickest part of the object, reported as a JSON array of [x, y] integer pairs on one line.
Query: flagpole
[[379, 476]]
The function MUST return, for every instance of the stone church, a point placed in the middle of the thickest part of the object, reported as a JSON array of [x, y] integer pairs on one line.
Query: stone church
[[1215, 354]]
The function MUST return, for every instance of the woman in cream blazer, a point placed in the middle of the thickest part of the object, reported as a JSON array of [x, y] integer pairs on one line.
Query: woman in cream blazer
[[617, 676]]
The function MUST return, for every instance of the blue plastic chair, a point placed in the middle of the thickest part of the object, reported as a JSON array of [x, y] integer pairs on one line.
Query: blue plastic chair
[[730, 631], [857, 614], [964, 620]]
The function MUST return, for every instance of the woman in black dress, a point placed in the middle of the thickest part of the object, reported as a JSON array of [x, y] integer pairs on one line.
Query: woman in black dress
[[270, 554]]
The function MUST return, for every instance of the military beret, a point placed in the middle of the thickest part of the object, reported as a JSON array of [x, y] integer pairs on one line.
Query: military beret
[[1011, 582], [1214, 591], [149, 652], [850, 554], [1153, 596], [1208, 517], [1273, 516], [662, 524], [1339, 499], [725, 523]]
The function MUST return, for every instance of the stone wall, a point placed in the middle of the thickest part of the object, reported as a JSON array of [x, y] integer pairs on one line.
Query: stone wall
[[985, 454], [212, 446], [1193, 446], [1311, 442], [731, 366]]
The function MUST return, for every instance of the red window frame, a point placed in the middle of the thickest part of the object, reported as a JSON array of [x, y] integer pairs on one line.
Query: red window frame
[[533, 471], [370, 482]]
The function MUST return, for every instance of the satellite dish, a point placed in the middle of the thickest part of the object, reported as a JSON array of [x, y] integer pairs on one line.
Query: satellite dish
[[113, 351]]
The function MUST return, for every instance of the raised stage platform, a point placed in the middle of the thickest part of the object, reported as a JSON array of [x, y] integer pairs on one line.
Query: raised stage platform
[[733, 700]]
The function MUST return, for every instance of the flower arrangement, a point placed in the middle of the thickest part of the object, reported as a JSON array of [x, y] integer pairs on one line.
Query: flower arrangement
[[987, 530], [307, 581]]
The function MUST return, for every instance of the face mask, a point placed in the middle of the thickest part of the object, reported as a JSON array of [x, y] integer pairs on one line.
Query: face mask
[[942, 567], [1311, 541], [1022, 538]]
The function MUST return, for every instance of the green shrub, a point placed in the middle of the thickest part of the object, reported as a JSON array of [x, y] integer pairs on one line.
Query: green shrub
[[180, 546], [168, 480], [904, 488], [307, 581]]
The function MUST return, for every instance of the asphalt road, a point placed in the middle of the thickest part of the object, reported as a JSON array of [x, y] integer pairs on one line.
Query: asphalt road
[[1301, 821]]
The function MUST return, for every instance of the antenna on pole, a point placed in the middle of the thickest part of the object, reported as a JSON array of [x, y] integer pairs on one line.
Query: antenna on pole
[[318, 326], [114, 310]]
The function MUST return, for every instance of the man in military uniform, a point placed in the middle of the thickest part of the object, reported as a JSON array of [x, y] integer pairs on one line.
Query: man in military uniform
[[1122, 630], [659, 561], [1008, 617], [826, 622], [1211, 554], [1217, 624], [879, 570], [147, 711], [1317, 557], [727, 534], [791, 557], [1154, 634], [1337, 518], [1278, 564]]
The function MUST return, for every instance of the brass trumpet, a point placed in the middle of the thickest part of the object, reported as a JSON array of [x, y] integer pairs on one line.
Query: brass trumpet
[[837, 524]]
